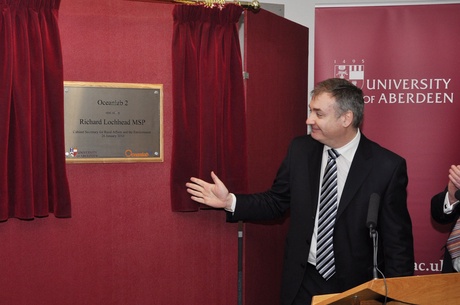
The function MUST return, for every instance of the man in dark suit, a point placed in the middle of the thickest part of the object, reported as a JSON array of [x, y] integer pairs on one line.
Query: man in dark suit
[[363, 168], [445, 210]]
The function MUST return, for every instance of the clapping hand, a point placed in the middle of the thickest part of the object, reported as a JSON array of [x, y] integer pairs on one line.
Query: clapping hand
[[454, 182]]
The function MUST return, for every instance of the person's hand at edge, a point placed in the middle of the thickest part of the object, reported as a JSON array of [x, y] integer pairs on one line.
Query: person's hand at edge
[[454, 182], [214, 195]]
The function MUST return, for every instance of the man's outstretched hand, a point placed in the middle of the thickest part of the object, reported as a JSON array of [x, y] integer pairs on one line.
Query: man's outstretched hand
[[215, 194]]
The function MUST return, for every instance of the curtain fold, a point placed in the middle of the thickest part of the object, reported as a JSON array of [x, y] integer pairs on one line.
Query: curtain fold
[[32, 160], [209, 128]]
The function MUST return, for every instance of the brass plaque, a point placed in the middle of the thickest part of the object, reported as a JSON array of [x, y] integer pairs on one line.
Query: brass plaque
[[113, 122]]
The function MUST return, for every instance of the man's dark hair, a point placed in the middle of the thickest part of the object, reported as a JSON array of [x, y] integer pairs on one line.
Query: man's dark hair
[[347, 96]]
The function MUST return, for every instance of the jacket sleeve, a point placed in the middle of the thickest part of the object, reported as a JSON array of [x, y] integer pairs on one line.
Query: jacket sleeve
[[396, 226], [437, 209], [268, 205]]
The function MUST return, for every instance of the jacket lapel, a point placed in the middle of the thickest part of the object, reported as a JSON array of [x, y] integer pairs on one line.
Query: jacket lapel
[[314, 154], [359, 170]]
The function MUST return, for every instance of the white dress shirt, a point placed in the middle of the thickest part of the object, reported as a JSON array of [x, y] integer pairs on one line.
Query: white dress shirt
[[347, 153]]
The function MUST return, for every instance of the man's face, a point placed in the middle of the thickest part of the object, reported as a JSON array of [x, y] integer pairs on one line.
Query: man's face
[[326, 126]]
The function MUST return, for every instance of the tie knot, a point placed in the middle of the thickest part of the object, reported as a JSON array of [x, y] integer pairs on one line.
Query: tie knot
[[333, 153]]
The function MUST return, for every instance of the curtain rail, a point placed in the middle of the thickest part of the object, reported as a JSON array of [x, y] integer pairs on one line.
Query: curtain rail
[[249, 5]]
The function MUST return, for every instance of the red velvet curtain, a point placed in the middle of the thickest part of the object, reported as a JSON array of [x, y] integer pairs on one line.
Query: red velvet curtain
[[208, 100], [33, 179]]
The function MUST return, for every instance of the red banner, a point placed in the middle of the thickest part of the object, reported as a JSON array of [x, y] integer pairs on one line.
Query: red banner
[[406, 60]]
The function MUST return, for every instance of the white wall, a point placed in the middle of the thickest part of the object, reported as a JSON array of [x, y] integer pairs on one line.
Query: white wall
[[303, 12]]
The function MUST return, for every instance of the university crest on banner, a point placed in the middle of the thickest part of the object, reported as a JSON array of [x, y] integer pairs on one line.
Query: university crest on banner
[[353, 73]]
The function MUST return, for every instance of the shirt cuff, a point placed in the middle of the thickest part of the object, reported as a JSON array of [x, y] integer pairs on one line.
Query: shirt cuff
[[232, 208], [448, 208]]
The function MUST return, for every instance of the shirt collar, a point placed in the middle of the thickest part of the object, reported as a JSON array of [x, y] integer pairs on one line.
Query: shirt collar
[[349, 149]]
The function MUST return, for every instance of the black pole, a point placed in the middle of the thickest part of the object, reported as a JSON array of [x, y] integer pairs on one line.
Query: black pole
[[240, 263]]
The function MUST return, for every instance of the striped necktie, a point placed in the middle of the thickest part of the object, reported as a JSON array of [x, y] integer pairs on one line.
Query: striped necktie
[[453, 242], [326, 219]]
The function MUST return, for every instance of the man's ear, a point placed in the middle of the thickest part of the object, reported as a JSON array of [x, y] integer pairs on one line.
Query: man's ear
[[347, 118]]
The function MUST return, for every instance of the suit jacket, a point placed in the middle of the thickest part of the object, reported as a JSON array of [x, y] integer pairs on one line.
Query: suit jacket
[[374, 170], [437, 212]]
